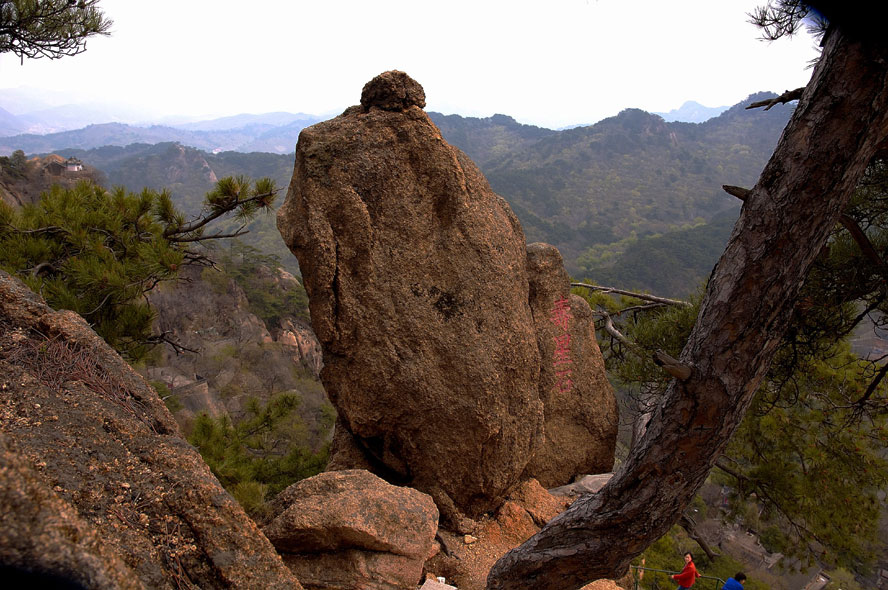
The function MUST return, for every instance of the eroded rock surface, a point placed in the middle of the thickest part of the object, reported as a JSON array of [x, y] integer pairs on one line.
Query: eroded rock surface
[[466, 564], [350, 529], [416, 275], [580, 429], [117, 490]]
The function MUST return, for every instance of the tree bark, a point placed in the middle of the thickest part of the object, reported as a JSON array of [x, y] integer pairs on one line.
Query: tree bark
[[840, 120]]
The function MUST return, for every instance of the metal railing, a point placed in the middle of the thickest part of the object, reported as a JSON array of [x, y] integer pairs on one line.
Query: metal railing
[[703, 582]]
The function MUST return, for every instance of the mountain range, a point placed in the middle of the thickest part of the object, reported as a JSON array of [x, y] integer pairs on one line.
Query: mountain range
[[692, 112], [272, 132], [622, 199]]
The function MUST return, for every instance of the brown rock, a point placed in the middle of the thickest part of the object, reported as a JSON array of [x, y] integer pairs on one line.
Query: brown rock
[[392, 91], [415, 272], [306, 348], [105, 445], [42, 535], [580, 407], [346, 452], [540, 504], [526, 510], [351, 529]]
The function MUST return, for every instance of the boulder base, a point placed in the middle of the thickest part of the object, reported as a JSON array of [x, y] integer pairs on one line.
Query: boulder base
[[350, 529]]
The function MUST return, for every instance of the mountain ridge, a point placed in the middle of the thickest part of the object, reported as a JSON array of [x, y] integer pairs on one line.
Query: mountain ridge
[[591, 191]]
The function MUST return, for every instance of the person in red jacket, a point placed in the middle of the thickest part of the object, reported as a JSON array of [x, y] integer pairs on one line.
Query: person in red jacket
[[688, 575]]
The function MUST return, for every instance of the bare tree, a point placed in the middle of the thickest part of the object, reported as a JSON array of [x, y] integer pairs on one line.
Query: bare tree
[[840, 123]]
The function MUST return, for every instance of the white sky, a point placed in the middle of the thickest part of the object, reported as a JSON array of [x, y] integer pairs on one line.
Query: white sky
[[551, 63]]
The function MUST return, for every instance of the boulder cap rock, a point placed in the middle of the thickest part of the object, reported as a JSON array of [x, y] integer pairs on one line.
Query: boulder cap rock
[[392, 91]]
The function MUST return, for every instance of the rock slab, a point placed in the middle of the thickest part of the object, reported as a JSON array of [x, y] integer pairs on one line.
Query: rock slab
[[580, 425]]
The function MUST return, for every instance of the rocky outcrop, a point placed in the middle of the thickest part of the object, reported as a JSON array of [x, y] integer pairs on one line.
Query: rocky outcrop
[[350, 529], [416, 275], [111, 483], [306, 350], [465, 560], [238, 356], [580, 428]]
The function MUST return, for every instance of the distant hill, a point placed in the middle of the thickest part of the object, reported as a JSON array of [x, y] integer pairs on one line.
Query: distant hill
[[485, 140], [247, 120], [692, 112], [671, 265], [624, 178], [275, 133], [10, 124], [602, 194]]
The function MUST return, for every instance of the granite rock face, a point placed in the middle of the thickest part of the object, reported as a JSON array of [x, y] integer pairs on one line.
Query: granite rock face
[[42, 536], [350, 529], [416, 276], [580, 430], [125, 500]]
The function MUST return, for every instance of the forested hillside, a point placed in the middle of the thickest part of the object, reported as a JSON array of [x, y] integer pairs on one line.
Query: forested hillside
[[626, 177], [599, 193]]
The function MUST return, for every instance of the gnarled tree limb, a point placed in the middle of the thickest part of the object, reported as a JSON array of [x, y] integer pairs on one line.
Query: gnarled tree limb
[[784, 98], [642, 296]]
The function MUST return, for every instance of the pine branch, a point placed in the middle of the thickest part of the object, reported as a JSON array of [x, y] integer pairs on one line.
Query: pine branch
[[201, 238], [802, 531], [173, 231]]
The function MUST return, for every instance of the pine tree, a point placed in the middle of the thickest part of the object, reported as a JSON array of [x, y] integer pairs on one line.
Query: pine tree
[[97, 252], [49, 28], [810, 451], [804, 455]]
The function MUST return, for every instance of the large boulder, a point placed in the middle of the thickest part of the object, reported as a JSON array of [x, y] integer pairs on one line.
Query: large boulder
[[416, 276], [580, 428], [115, 492], [350, 529]]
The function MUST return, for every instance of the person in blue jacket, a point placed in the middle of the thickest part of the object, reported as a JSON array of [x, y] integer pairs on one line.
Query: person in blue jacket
[[735, 583]]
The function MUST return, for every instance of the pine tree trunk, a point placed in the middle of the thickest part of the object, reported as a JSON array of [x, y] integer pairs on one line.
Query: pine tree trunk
[[837, 126]]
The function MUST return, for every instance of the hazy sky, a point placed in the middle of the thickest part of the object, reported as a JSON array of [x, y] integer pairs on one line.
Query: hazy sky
[[549, 63]]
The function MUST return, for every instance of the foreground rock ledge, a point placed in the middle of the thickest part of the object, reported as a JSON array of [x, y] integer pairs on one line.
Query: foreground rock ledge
[[117, 499]]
